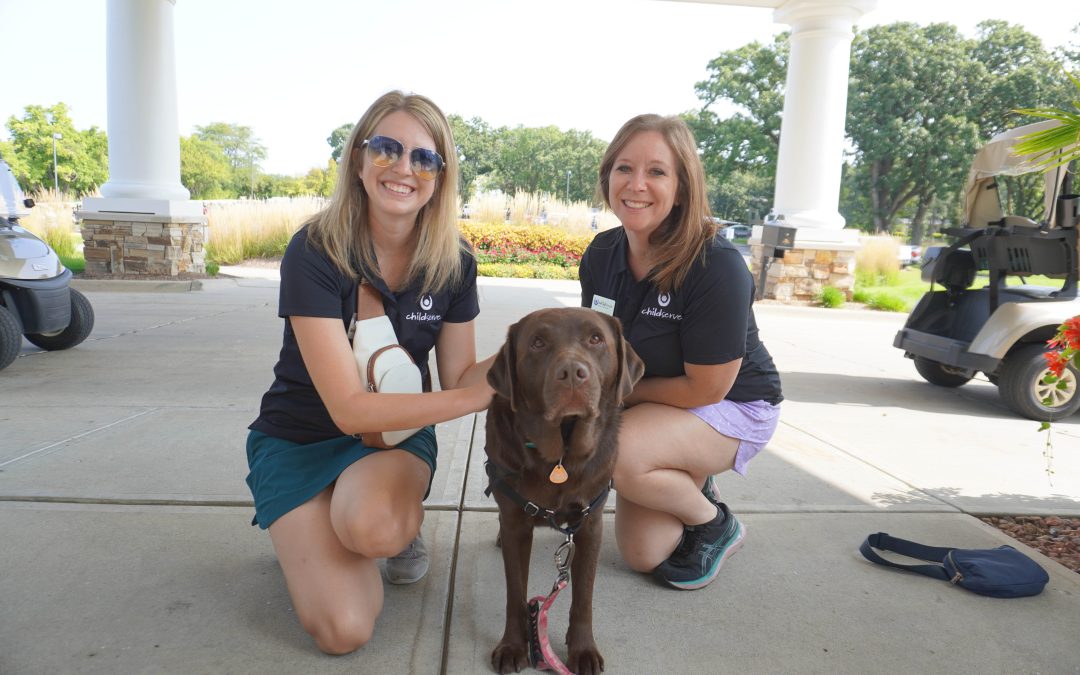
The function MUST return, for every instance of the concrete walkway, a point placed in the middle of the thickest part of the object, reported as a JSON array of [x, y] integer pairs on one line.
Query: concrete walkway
[[125, 544]]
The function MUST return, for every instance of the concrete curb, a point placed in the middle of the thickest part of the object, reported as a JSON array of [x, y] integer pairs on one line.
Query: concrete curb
[[135, 286]]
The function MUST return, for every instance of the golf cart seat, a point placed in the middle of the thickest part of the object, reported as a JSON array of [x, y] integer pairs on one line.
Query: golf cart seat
[[955, 270]]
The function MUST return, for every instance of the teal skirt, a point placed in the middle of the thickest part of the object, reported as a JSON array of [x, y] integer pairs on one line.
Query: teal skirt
[[283, 475]]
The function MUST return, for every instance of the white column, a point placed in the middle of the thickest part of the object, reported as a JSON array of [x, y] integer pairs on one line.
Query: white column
[[144, 136], [815, 106]]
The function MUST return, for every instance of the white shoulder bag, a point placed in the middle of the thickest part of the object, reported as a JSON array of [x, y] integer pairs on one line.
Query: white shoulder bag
[[385, 366]]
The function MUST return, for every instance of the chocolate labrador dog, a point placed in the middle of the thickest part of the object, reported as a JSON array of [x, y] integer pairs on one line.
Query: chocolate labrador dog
[[552, 428]]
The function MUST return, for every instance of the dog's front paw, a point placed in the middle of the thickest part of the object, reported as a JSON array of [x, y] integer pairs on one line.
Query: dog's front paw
[[510, 657], [586, 661]]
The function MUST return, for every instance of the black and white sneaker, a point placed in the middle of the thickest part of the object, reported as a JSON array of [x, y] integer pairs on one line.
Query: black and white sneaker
[[697, 559], [711, 491]]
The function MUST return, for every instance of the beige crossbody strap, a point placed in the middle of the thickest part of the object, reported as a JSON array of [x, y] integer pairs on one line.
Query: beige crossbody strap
[[368, 302]]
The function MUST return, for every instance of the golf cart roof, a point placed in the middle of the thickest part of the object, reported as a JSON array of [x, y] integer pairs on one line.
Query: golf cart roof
[[981, 201]]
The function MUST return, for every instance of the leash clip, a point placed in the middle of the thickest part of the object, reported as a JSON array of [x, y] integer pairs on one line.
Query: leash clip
[[564, 555]]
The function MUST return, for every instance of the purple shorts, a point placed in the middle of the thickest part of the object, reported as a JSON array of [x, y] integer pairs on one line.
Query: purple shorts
[[752, 423]]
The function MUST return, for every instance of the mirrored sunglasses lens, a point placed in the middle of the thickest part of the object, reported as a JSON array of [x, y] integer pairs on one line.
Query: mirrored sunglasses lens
[[384, 150], [426, 163]]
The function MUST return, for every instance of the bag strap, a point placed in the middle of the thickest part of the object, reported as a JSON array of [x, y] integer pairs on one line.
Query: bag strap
[[368, 301], [906, 548]]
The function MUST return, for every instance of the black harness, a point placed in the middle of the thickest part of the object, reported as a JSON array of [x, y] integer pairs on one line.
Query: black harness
[[496, 481]]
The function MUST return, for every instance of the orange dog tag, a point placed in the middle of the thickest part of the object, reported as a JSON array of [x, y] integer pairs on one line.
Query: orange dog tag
[[558, 474]]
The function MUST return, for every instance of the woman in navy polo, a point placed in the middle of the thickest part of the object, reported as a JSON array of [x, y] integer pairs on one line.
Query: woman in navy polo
[[333, 505], [710, 397]]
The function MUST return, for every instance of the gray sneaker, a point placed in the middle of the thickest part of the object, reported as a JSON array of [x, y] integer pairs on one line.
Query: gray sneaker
[[410, 565]]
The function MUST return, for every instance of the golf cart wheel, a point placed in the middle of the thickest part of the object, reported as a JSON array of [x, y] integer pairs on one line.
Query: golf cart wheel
[[10, 337], [82, 322], [1022, 389], [937, 373]]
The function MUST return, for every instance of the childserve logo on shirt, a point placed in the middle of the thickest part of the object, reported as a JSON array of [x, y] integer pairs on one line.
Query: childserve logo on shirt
[[426, 304], [662, 300]]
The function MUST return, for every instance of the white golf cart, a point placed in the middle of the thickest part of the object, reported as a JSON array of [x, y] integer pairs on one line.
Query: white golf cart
[[956, 331], [36, 299]]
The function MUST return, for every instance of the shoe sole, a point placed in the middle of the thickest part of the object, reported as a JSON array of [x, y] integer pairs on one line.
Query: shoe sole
[[704, 581], [398, 581]]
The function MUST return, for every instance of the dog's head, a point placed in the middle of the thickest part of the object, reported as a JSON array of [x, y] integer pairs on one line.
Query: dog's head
[[568, 362]]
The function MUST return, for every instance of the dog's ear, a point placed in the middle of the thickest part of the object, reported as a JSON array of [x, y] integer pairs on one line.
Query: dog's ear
[[501, 374], [630, 366]]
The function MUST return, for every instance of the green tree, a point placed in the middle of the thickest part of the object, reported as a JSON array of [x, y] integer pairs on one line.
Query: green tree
[[204, 169], [739, 151], [321, 182], [913, 136], [537, 160], [475, 141], [337, 139], [81, 156], [243, 151]]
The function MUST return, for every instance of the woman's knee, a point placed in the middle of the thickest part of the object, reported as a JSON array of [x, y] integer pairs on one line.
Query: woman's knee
[[339, 631], [379, 531]]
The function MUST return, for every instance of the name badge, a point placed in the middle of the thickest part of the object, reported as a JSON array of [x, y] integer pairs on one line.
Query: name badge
[[603, 305]]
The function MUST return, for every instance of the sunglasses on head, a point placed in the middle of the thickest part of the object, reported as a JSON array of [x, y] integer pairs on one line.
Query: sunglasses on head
[[385, 151]]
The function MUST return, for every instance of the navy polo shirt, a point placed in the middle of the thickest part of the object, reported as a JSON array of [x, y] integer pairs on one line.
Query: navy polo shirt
[[311, 285], [708, 320]]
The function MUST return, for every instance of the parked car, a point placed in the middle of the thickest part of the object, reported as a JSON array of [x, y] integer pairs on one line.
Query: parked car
[[957, 330], [732, 230]]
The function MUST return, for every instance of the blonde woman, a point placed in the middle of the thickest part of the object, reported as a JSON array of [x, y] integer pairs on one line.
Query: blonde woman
[[333, 505], [710, 397]]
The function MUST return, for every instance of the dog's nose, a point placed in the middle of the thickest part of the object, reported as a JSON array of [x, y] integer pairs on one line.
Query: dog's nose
[[572, 373]]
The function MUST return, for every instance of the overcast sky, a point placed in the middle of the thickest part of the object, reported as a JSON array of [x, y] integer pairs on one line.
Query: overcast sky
[[294, 71]]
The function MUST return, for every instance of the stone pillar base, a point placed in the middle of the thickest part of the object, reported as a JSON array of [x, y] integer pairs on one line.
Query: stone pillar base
[[134, 245], [801, 274]]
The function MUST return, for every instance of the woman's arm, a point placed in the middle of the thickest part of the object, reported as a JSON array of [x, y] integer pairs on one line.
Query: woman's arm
[[329, 360], [701, 385], [455, 355]]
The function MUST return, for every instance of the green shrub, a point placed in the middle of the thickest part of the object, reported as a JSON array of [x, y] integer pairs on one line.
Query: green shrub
[[831, 297], [60, 240], [876, 277], [525, 271], [530, 244], [212, 268], [876, 261], [74, 262], [887, 303]]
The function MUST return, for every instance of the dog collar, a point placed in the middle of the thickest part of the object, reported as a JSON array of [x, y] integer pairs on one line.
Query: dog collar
[[496, 481]]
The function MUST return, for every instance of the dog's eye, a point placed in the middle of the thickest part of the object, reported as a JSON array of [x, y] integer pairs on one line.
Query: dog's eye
[[538, 343], [596, 339]]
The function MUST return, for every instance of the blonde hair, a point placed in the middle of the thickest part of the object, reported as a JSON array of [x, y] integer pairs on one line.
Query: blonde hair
[[343, 231], [689, 227]]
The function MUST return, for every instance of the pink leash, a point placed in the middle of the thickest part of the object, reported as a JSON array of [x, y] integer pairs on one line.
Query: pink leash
[[541, 655]]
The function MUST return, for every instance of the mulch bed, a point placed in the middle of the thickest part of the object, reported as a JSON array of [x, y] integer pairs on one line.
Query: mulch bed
[[1055, 537]]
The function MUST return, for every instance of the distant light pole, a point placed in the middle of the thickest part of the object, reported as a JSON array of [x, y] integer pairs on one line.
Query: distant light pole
[[56, 181], [568, 187]]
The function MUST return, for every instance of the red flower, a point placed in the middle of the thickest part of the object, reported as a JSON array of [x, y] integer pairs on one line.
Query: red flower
[[1056, 362]]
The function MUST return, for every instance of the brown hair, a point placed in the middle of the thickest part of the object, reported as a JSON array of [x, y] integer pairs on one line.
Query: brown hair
[[342, 229], [689, 227]]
